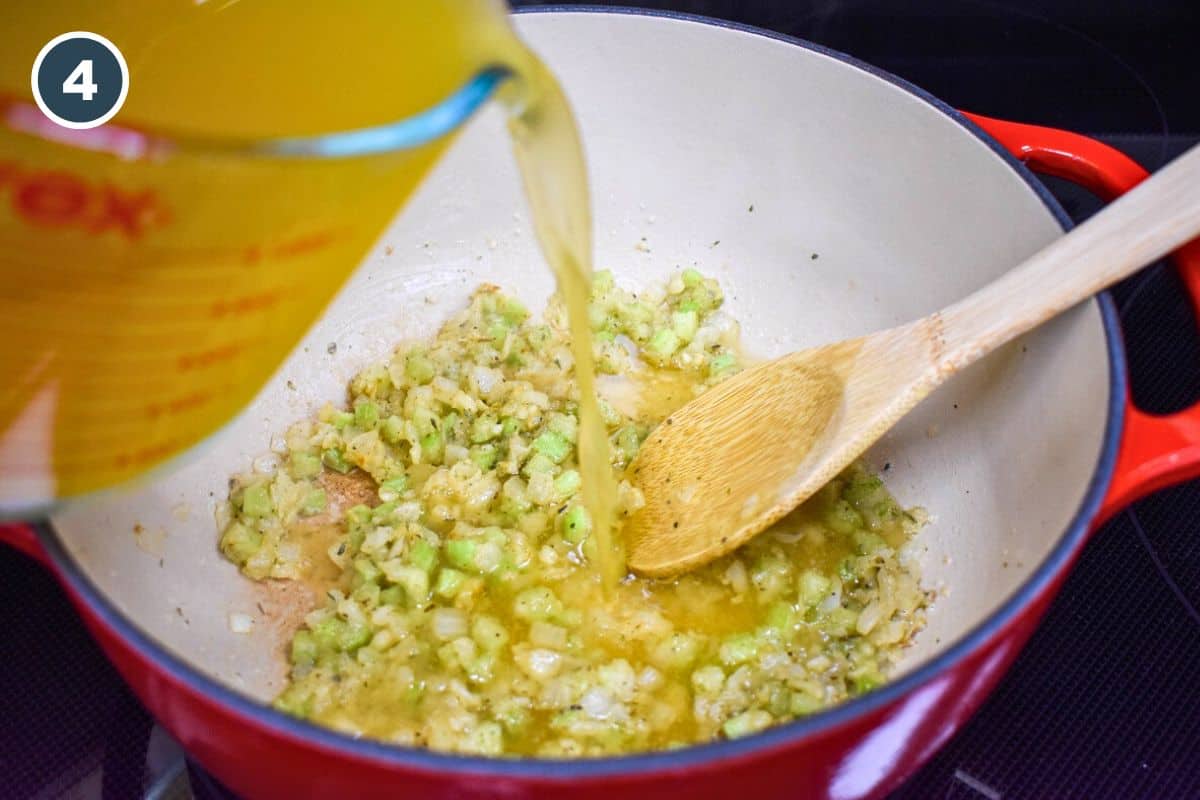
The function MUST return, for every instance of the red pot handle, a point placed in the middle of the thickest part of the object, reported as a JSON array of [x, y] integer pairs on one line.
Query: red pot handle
[[1155, 451], [23, 538]]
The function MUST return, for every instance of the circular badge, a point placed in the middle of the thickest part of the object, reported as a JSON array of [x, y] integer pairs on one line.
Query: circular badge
[[80, 80]]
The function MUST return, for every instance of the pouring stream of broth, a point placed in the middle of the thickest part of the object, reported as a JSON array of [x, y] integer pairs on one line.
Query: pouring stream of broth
[[550, 158]]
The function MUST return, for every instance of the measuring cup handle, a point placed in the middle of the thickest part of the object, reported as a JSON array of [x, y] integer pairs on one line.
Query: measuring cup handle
[[1156, 451]]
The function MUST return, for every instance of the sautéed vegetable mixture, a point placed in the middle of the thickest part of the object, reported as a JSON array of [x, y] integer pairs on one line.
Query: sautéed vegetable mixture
[[439, 513]]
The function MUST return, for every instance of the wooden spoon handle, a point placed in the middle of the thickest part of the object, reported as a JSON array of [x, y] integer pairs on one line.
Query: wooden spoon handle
[[1150, 221]]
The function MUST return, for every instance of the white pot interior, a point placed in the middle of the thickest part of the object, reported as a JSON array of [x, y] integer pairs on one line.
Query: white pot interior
[[686, 126]]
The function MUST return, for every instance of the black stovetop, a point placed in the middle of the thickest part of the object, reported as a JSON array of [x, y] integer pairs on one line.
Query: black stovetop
[[1102, 703]]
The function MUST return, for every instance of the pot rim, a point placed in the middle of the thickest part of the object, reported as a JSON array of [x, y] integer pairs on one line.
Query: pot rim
[[709, 754]]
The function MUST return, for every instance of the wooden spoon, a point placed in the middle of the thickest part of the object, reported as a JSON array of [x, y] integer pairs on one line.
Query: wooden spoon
[[743, 454]]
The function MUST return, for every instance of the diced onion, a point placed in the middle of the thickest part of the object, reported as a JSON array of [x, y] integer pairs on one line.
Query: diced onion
[[448, 623]]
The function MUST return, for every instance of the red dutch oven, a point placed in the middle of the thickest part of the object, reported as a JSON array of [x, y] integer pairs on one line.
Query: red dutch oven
[[909, 204]]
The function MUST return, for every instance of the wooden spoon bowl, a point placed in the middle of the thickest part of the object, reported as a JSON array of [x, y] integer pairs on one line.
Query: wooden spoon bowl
[[743, 454]]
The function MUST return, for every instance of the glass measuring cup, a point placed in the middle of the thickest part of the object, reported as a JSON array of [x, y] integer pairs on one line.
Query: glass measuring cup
[[152, 281]]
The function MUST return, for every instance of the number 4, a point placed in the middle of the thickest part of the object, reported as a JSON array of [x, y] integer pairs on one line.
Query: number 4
[[80, 81]]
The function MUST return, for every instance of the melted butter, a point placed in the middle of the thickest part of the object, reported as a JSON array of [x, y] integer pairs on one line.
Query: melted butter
[[318, 571], [650, 395], [316, 534]]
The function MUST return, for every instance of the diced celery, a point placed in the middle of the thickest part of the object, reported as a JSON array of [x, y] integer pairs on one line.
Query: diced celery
[[355, 537], [488, 632], [334, 459], [497, 332], [341, 419], [256, 501], [685, 324], [482, 668], [328, 633], [366, 595], [358, 515], [536, 603], [839, 622], [866, 543], [366, 571], [771, 576], [453, 428], [814, 587], [746, 723], [778, 701], [706, 295], [240, 542], [489, 557], [638, 311], [304, 649], [314, 502], [738, 649], [691, 277], [565, 425], [366, 414], [392, 429], [295, 700], [304, 465], [842, 518], [484, 456], [538, 463], [602, 281], [721, 363], [353, 636], [424, 420], [663, 343], [538, 336], [432, 448], [485, 428], [864, 491], [512, 311], [392, 596], [513, 717], [708, 679], [392, 488], [495, 534], [422, 555], [628, 442], [567, 483], [418, 367], [415, 582], [803, 703], [553, 445], [677, 652], [461, 553], [373, 381], [382, 513], [449, 583], [509, 426], [576, 524], [864, 679], [514, 499], [781, 617]]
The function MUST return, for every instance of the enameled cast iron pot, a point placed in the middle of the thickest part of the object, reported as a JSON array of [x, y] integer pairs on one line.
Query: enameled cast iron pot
[[831, 200]]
